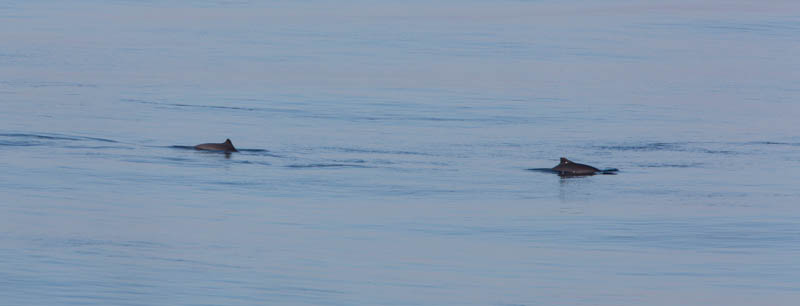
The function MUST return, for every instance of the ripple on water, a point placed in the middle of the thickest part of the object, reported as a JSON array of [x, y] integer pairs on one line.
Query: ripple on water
[[375, 151], [775, 143], [224, 107], [671, 165], [691, 147], [327, 165], [52, 139]]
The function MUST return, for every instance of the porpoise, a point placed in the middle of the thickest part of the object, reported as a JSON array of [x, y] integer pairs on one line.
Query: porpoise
[[567, 167], [226, 146]]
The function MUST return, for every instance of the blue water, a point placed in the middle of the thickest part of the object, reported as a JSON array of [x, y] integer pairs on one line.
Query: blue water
[[384, 152]]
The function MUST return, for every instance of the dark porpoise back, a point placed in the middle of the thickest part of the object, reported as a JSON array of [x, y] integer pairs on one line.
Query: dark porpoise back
[[226, 146], [570, 168]]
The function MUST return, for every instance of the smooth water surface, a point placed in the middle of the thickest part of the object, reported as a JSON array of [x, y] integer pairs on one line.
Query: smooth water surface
[[385, 147]]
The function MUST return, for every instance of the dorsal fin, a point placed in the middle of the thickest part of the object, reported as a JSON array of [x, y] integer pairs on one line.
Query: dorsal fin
[[228, 141], [564, 160]]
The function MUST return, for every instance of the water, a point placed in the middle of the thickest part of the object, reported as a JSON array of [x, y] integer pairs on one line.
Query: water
[[384, 153]]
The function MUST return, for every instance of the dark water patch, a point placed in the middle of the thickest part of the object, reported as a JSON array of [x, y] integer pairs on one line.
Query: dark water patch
[[190, 105], [240, 108], [249, 162], [14, 16], [298, 295], [27, 139], [40, 84], [667, 147], [311, 290], [269, 155], [697, 234], [499, 232], [355, 161], [777, 143], [775, 28], [259, 152], [19, 143], [190, 262], [182, 147], [768, 28], [545, 170], [53, 137], [168, 160], [433, 119], [376, 151], [761, 287], [404, 191], [96, 147], [87, 242], [703, 234], [336, 116], [4, 55], [175, 159], [669, 165], [656, 146], [589, 53], [235, 183], [719, 152], [324, 165], [383, 162]]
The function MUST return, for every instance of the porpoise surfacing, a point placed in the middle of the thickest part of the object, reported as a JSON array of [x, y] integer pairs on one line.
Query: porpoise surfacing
[[567, 167], [226, 146]]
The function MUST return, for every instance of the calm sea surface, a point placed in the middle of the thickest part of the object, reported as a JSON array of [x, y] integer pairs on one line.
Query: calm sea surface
[[385, 147]]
